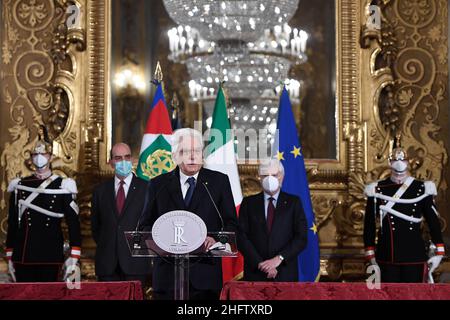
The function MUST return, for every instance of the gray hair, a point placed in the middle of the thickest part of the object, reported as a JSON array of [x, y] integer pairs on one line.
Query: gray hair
[[184, 132], [270, 163]]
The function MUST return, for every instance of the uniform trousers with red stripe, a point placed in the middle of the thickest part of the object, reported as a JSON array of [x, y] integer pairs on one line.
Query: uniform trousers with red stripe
[[403, 273]]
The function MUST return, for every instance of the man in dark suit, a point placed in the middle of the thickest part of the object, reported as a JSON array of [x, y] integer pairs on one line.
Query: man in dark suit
[[185, 188], [272, 229], [116, 207]]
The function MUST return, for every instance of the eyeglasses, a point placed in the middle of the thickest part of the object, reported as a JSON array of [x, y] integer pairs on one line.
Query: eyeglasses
[[196, 152], [120, 158]]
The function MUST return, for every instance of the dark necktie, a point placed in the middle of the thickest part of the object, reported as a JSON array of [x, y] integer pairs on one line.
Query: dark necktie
[[120, 198], [190, 192], [270, 214]]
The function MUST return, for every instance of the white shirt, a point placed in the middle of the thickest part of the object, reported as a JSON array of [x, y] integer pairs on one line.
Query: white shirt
[[184, 184], [266, 201], [126, 185]]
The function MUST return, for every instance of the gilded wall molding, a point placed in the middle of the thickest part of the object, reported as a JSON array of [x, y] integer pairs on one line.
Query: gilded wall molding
[[40, 75], [410, 64], [392, 79], [328, 178]]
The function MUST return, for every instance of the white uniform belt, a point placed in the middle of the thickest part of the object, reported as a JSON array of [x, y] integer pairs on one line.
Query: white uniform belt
[[398, 200], [393, 200], [400, 215], [45, 191], [27, 202], [39, 209]]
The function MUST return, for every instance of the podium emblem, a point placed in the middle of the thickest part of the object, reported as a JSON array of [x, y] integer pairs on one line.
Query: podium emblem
[[179, 232]]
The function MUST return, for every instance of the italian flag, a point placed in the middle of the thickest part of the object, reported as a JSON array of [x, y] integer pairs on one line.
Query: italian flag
[[220, 156], [156, 152]]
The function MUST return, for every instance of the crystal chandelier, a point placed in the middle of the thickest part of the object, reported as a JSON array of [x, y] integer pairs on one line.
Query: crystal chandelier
[[231, 19], [248, 44], [249, 70]]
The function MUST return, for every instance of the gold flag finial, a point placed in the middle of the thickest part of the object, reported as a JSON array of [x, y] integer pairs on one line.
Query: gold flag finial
[[227, 98], [158, 73]]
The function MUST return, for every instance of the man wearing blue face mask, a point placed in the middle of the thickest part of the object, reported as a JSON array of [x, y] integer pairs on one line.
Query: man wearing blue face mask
[[116, 207], [272, 229]]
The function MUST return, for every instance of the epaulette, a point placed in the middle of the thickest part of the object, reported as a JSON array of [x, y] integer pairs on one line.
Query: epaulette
[[13, 184], [70, 185]]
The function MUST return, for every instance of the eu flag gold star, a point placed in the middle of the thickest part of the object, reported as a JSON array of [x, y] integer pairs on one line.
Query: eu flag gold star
[[280, 155], [296, 152], [313, 228]]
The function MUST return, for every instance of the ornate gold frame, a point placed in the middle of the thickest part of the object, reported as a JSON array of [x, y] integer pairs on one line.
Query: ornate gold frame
[[338, 204], [336, 185]]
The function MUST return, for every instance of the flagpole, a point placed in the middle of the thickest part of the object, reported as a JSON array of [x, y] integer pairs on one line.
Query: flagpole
[[174, 104], [227, 99]]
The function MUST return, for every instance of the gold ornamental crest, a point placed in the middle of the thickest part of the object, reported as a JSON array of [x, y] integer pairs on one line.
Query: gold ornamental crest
[[157, 163]]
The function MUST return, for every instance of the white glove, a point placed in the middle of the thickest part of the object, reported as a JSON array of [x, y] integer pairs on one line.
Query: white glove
[[434, 262], [373, 262], [11, 270], [69, 267]]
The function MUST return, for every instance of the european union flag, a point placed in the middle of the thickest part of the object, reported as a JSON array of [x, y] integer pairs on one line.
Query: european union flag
[[288, 149]]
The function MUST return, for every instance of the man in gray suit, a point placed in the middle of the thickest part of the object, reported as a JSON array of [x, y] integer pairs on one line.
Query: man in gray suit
[[116, 207]]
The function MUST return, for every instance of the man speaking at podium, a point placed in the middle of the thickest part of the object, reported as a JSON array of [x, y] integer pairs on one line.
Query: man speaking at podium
[[186, 188]]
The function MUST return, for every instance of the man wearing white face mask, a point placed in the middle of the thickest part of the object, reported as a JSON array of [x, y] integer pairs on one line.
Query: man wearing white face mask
[[116, 207], [401, 203], [37, 205], [272, 229]]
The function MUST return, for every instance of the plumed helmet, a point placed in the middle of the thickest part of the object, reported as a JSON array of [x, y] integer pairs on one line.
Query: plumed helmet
[[398, 152], [43, 145]]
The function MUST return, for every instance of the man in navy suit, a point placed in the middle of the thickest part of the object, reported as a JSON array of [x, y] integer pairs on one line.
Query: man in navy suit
[[185, 188], [116, 207], [272, 229]]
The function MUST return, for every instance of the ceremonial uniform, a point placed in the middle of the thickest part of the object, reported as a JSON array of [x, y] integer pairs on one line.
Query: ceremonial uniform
[[34, 237], [401, 251]]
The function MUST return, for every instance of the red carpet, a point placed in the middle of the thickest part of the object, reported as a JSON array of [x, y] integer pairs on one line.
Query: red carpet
[[59, 291], [238, 290]]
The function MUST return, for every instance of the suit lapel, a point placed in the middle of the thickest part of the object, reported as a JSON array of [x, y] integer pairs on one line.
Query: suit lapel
[[130, 195], [261, 213], [112, 196], [175, 189]]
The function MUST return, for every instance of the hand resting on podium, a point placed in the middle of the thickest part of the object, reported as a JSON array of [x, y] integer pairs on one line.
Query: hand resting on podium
[[219, 246]]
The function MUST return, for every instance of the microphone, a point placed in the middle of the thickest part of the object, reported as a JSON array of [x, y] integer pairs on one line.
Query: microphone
[[223, 238]]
